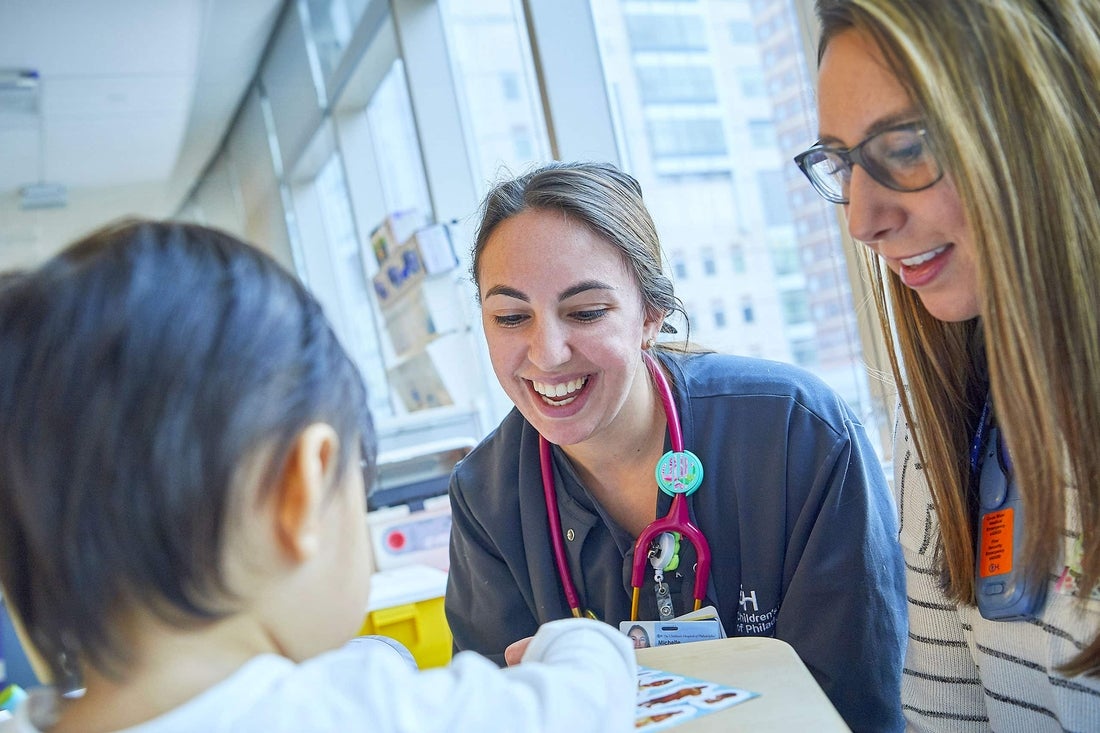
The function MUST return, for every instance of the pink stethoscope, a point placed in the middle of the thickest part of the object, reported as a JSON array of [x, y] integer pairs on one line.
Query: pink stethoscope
[[679, 473]]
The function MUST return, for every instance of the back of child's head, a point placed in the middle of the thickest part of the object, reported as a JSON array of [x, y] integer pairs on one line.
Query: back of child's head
[[145, 372]]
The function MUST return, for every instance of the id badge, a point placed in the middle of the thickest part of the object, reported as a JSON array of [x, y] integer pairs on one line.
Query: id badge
[[701, 625], [662, 633], [1003, 589]]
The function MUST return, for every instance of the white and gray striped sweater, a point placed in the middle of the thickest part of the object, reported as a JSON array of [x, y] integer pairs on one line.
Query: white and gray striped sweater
[[966, 673]]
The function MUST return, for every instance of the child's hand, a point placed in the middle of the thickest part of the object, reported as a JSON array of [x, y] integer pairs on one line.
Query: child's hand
[[514, 653]]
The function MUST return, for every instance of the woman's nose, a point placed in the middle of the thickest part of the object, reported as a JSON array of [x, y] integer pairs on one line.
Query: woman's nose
[[872, 210], [549, 346]]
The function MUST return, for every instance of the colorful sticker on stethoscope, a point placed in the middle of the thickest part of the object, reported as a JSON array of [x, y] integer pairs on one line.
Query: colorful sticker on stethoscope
[[679, 472]]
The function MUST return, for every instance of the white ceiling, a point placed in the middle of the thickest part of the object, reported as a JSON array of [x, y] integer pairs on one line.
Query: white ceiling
[[134, 99]]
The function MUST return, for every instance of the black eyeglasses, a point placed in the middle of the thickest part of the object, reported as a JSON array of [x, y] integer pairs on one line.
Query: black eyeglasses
[[899, 158]]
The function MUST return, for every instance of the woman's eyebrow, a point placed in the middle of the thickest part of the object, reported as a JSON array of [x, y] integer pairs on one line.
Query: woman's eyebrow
[[882, 123], [507, 291], [583, 286]]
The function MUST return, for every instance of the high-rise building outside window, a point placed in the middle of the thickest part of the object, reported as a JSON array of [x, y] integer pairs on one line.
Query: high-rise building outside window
[[718, 175], [498, 94]]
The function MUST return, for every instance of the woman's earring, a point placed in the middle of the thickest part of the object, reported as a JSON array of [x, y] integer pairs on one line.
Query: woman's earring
[[650, 343]]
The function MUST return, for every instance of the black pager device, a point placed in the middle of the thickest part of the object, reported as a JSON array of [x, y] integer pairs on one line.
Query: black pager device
[[1004, 590]]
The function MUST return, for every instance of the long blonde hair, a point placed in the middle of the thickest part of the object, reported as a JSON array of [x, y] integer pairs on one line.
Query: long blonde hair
[[1010, 96]]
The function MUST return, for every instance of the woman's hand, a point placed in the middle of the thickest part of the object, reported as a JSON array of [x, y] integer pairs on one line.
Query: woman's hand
[[514, 653]]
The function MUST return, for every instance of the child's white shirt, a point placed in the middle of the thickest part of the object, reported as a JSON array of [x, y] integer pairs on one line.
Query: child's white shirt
[[576, 675]]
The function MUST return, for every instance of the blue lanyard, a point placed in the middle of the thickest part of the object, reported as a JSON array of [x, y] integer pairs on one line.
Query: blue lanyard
[[978, 445]]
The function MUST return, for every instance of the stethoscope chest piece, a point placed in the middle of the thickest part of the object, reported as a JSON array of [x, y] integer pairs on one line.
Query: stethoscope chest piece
[[664, 555], [664, 552]]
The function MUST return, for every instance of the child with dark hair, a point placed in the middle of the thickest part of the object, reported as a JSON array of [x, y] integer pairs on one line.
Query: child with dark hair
[[182, 512]]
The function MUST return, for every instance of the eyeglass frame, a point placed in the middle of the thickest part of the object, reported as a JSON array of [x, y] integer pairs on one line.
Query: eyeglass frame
[[854, 156]]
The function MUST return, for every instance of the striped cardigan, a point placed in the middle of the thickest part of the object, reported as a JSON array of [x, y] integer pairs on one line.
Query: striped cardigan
[[966, 673]]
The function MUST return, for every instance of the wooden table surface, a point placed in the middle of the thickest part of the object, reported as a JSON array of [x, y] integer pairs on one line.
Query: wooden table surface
[[790, 699]]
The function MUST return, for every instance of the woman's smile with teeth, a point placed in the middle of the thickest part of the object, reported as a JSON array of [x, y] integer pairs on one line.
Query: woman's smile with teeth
[[552, 394], [922, 258]]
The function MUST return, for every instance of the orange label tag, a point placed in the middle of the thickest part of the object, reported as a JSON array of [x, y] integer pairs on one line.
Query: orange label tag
[[996, 550]]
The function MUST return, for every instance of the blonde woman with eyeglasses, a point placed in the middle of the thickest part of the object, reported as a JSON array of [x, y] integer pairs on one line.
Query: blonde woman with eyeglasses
[[963, 141]]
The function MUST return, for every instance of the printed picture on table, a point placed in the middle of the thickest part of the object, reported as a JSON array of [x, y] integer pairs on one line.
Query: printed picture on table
[[666, 699]]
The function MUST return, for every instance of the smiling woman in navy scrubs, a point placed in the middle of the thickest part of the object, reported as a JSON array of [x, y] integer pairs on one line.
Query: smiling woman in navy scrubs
[[793, 504]]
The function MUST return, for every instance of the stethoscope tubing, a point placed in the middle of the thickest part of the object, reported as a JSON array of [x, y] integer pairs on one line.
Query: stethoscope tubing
[[677, 520], [550, 494]]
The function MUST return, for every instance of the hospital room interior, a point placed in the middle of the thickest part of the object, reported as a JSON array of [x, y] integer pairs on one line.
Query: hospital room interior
[[353, 141]]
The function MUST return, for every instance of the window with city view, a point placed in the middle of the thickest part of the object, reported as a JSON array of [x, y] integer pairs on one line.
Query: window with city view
[[714, 99]]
